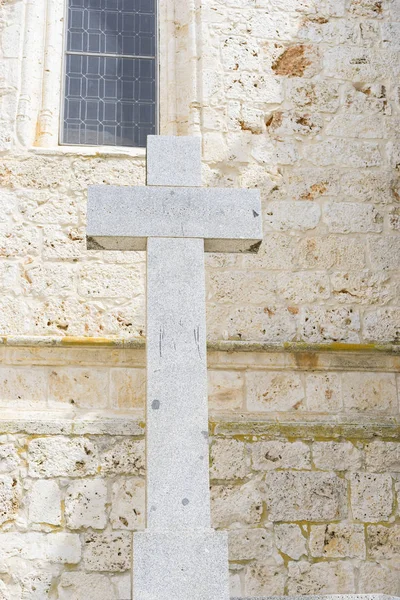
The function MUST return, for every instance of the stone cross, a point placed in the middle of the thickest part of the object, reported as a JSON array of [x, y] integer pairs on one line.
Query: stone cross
[[178, 556]]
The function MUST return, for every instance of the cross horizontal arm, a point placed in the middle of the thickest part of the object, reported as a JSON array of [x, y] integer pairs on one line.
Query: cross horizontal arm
[[122, 218]]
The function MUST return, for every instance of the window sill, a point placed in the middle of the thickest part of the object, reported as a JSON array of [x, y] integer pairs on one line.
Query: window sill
[[95, 151]]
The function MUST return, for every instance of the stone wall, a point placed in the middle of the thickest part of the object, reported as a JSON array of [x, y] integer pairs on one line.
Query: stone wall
[[304, 466], [298, 98]]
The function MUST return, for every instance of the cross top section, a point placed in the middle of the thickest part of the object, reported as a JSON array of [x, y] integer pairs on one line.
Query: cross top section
[[174, 205]]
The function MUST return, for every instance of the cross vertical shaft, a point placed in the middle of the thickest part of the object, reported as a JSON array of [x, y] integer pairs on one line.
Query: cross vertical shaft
[[178, 556]]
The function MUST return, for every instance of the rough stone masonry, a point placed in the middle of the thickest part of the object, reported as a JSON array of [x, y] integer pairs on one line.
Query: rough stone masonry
[[178, 555]]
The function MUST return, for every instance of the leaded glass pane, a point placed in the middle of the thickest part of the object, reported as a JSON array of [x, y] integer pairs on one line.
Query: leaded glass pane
[[112, 27], [109, 101], [110, 84]]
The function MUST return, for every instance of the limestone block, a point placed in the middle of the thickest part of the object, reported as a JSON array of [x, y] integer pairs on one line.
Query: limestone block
[[111, 281], [300, 60], [128, 388], [60, 547], [384, 252], [300, 496], [45, 502], [345, 153], [352, 217], [394, 218], [255, 87], [321, 578], [9, 276], [277, 252], [236, 504], [18, 240], [228, 460], [69, 316], [10, 495], [382, 325], [249, 544], [383, 542], [322, 96], [266, 151], [215, 147], [290, 540], [67, 243], [271, 323], [267, 456], [363, 287], [378, 187], [123, 586], [297, 216], [126, 457], [274, 390], [303, 287], [107, 551], [107, 171], [85, 504], [371, 497], [60, 456], [48, 279], [319, 324], [324, 392], [36, 585], [330, 32], [382, 457], [367, 99], [9, 458], [46, 207], [378, 579], [356, 64], [81, 586], [84, 388], [265, 578], [336, 456], [364, 392], [24, 386], [324, 252], [240, 287], [357, 126], [294, 123], [225, 390], [366, 8], [337, 540], [128, 504]]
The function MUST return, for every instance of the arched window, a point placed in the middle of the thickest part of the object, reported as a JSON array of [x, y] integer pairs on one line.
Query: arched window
[[110, 73]]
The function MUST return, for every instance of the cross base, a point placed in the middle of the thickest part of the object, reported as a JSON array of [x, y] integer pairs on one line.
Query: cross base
[[177, 565]]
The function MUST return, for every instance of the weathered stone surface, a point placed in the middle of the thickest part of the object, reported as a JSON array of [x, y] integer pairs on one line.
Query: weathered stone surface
[[321, 578], [228, 460], [324, 392], [297, 216], [265, 579], [378, 579], [62, 457], [128, 504], [290, 540], [126, 457], [336, 456], [107, 551], [10, 496], [268, 456], [57, 547], [352, 217], [370, 392], [128, 388], [382, 325], [85, 388], [45, 502], [9, 459], [85, 504], [318, 324], [381, 457], [337, 540], [297, 496], [271, 391], [371, 497], [250, 544], [225, 390], [24, 387], [383, 541], [236, 504], [81, 586]]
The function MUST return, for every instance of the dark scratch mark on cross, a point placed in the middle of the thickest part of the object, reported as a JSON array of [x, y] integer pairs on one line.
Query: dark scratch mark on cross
[[176, 221]]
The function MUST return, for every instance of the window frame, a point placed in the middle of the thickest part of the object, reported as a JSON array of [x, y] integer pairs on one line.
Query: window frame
[[63, 84]]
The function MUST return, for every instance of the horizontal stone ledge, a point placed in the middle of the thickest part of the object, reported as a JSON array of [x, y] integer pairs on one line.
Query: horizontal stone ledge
[[217, 345], [325, 597], [45, 423]]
